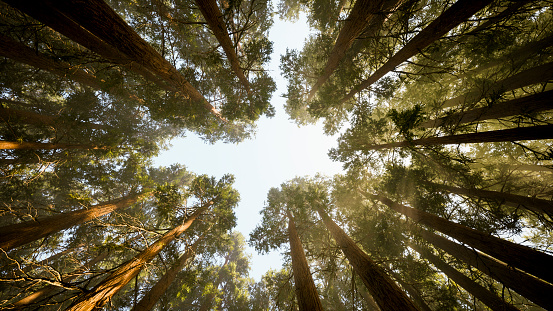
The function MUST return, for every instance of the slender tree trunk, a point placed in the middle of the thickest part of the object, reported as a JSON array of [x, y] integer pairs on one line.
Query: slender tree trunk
[[214, 19], [480, 292], [413, 293], [368, 15], [539, 206], [13, 236], [384, 290], [306, 292], [102, 293], [516, 255], [46, 146], [536, 290], [527, 77], [520, 106], [46, 291], [151, 298], [520, 133], [102, 21], [453, 16], [31, 266], [29, 117], [509, 11]]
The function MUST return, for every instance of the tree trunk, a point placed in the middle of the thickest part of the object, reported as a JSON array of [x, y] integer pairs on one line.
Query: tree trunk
[[536, 290], [385, 292], [520, 106], [480, 292], [45, 291], [12, 145], [371, 304], [102, 21], [214, 19], [520, 133], [527, 77], [306, 292], [31, 266], [368, 15], [459, 12], [516, 255], [29, 117], [15, 235], [150, 299], [102, 293], [413, 293], [539, 206]]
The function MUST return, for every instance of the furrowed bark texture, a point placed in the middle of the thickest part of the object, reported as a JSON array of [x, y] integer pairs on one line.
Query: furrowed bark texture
[[515, 134], [384, 290], [459, 12], [306, 292], [516, 255], [13, 236], [478, 291], [102, 293], [535, 289]]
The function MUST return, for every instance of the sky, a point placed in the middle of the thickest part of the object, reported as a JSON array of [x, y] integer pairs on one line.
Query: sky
[[279, 152]]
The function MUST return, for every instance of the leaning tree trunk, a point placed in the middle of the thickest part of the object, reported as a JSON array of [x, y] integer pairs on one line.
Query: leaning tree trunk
[[15, 235], [453, 16], [413, 292], [520, 133], [151, 298], [31, 266], [32, 118], [46, 291], [306, 292], [368, 15], [520, 106], [13, 145], [385, 292], [534, 289], [527, 77], [214, 19], [478, 291], [102, 21], [102, 293], [539, 206], [516, 255]]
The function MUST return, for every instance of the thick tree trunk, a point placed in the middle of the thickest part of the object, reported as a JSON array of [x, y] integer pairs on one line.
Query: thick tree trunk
[[536, 290], [12, 145], [102, 293], [29, 117], [46, 291], [214, 19], [539, 206], [13, 236], [478, 291], [453, 16], [151, 298], [516, 255], [520, 133], [306, 292], [365, 16], [384, 290], [102, 21], [527, 77], [520, 106]]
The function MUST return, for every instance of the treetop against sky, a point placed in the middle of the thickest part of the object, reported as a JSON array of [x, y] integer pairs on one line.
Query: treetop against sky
[[216, 155]]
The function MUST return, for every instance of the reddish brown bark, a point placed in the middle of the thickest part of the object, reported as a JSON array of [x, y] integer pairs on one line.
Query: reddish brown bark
[[478, 291], [13, 236], [46, 291], [520, 133], [103, 292], [384, 290], [536, 290], [516, 255], [306, 292], [366, 16], [453, 16], [214, 19], [520, 106], [539, 206], [46, 146], [151, 298]]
